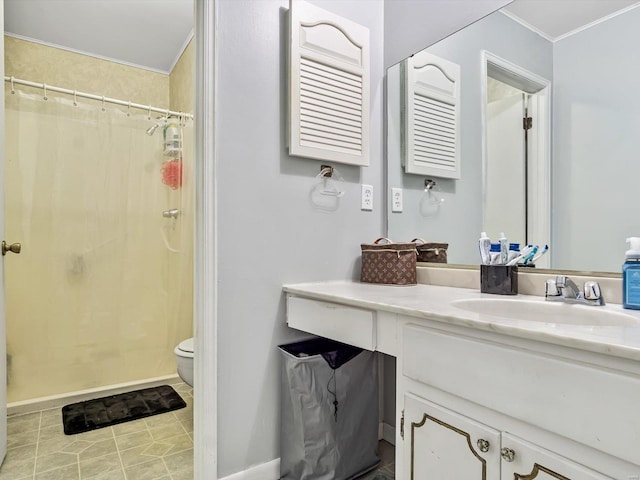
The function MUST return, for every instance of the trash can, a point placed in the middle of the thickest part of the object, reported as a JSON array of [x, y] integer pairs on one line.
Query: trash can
[[329, 416]]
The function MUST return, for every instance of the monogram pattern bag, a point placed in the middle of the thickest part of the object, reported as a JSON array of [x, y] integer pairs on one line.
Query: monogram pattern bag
[[389, 263], [431, 252]]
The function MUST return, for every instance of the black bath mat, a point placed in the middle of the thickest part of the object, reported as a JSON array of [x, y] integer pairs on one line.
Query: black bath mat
[[104, 412], [382, 476]]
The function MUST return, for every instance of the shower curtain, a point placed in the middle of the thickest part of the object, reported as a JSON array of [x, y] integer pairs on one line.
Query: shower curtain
[[96, 297]]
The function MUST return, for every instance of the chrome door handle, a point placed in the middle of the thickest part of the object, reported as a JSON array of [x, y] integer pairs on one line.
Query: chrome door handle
[[13, 248]]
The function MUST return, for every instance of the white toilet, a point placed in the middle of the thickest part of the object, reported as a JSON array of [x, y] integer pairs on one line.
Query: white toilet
[[184, 360]]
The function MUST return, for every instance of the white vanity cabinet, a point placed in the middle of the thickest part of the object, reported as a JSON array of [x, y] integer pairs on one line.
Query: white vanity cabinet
[[441, 444], [560, 416], [523, 460], [354, 326], [467, 389]]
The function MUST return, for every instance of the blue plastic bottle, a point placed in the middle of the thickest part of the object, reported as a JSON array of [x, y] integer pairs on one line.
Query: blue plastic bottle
[[631, 276]]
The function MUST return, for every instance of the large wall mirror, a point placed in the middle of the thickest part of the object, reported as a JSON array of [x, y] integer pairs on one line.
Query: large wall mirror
[[546, 137]]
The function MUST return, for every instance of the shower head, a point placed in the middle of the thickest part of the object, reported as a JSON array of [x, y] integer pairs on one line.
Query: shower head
[[152, 130]]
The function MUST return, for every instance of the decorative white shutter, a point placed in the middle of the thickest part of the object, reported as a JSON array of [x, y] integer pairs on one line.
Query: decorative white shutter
[[328, 86], [431, 116]]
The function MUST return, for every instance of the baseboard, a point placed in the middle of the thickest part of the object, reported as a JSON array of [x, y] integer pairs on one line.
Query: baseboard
[[271, 470], [389, 433], [57, 401], [264, 471]]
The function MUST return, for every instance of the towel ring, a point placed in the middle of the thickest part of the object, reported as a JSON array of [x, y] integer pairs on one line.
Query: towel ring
[[326, 190], [329, 187], [432, 200]]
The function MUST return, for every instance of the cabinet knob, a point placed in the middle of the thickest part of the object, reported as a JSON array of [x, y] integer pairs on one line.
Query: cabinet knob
[[483, 445], [507, 454]]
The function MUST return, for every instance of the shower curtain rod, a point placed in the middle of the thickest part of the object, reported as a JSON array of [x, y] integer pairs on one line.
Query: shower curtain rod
[[100, 98]]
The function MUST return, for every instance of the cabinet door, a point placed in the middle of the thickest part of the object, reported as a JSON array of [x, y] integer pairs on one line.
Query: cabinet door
[[529, 462], [442, 445]]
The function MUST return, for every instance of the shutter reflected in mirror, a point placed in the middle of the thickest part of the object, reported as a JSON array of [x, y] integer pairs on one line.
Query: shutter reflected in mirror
[[328, 86], [431, 117]]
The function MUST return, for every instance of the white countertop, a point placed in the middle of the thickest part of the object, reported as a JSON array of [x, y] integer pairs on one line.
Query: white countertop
[[435, 303]]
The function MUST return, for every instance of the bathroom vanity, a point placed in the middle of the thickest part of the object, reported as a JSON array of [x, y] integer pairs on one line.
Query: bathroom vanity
[[493, 388]]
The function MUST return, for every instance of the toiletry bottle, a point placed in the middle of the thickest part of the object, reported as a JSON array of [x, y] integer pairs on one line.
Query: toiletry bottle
[[504, 252], [484, 244], [495, 254], [514, 251], [631, 275]]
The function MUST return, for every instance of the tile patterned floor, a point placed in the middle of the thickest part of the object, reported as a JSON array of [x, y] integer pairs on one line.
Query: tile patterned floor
[[154, 448], [386, 469]]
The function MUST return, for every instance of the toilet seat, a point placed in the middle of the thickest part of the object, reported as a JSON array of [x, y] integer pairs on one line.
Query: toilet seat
[[185, 348]]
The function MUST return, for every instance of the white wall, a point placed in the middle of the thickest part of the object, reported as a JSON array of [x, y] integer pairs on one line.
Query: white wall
[[459, 220], [411, 25], [596, 145], [268, 232]]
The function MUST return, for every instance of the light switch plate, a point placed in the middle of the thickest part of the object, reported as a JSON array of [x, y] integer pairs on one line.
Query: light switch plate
[[367, 197], [396, 200]]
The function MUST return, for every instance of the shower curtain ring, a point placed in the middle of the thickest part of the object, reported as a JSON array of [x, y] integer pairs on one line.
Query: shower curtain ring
[[129, 109], [13, 87], [149, 112], [103, 109], [166, 116], [44, 87], [75, 99]]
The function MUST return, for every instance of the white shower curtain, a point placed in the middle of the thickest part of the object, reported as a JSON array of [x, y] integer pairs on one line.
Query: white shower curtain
[[96, 297]]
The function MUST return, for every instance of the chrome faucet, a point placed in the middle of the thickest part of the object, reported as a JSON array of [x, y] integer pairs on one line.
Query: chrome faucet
[[563, 289], [567, 287]]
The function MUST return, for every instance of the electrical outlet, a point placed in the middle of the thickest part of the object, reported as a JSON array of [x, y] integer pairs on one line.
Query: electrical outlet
[[396, 200], [367, 197]]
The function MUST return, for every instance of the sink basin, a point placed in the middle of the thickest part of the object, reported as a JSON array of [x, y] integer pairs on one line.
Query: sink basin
[[546, 312]]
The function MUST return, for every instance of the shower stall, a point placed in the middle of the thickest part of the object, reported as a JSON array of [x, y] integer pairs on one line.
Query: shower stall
[[102, 291]]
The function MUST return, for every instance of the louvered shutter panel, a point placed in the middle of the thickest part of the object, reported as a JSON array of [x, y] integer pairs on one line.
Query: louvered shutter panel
[[431, 116], [328, 86]]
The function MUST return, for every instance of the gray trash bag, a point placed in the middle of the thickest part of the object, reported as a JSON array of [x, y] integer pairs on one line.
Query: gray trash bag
[[329, 417]]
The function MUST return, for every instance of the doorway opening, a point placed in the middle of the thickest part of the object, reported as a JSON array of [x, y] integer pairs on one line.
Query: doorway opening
[[516, 120]]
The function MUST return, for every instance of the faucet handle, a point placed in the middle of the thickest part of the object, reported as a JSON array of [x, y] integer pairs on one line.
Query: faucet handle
[[551, 288], [592, 291]]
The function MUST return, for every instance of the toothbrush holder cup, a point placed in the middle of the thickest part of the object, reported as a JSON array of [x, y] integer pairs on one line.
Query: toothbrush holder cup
[[499, 279]]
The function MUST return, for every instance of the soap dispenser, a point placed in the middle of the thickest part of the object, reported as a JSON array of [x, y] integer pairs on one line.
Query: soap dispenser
[[631, 275]]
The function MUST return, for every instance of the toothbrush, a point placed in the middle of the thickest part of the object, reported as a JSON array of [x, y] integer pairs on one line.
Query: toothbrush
[[531, 255], [544, 250], [523, 254]]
